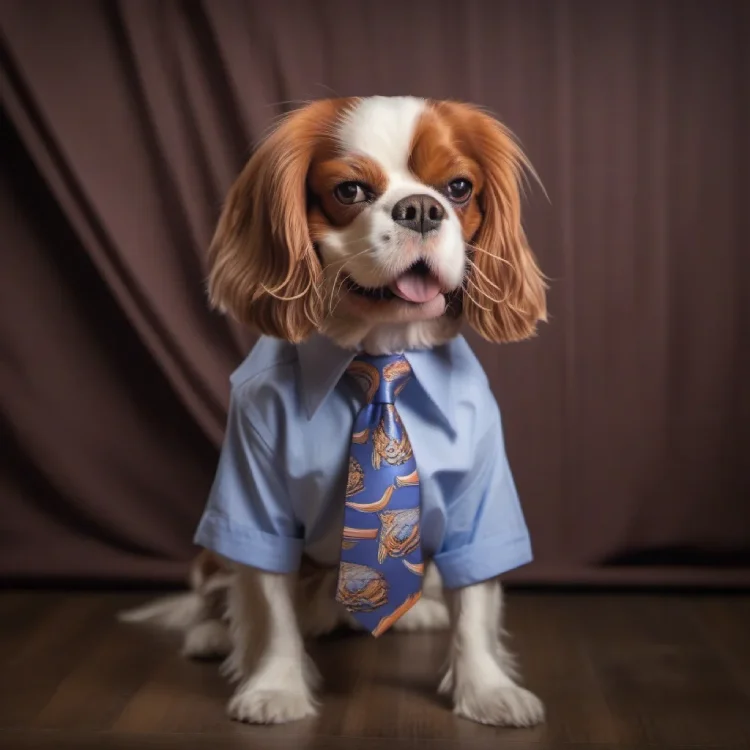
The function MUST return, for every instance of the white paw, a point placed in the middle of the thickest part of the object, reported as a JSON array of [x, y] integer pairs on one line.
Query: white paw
[[509, 706], [207, 640], [426, 614], [259, 705]]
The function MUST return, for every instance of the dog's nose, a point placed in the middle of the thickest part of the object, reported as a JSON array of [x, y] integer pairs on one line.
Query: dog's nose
[[420, 213]]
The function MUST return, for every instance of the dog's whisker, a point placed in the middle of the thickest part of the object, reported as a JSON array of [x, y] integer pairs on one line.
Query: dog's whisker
[[338, 295], [336, 287], [336, 290], [349, 258], [498, 258], [482, 307], [349, 243], [333, 289], [479, 288], [489, 297], [479, 271], [275, 294]]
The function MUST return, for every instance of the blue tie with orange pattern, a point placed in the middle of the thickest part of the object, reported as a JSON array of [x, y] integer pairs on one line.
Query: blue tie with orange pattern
[[381, 569]]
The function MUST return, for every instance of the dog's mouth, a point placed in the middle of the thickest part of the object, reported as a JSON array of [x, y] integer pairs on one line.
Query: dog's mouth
[[418, 285]]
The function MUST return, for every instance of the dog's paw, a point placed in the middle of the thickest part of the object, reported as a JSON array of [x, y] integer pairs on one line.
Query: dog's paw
[[508, 706], [258, 705], [207, 640]]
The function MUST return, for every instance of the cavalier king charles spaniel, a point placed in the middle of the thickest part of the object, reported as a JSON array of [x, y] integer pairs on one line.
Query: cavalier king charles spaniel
[[383, 224]]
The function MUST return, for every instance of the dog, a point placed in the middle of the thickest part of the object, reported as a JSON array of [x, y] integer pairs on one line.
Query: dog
[[377, 225]]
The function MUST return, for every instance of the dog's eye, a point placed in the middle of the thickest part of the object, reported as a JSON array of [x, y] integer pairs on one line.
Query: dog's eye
[[459, 190], [350, 192]]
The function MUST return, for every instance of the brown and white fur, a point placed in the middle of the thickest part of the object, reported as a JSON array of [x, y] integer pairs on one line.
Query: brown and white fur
[[311, 239]]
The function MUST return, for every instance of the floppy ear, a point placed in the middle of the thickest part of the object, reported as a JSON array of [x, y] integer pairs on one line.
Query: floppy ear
[[263, 269], [505, 291]]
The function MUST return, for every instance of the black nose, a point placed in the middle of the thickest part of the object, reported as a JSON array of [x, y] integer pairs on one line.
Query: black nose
[[420, 213]]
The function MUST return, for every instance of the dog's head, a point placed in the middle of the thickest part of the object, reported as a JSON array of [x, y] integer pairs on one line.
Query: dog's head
[[394, 213]]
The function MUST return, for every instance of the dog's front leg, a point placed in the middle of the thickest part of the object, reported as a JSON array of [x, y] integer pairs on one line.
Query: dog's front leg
[[276, 677], [480, 674]]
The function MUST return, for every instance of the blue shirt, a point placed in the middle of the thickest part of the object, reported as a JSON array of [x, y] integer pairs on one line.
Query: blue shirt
[[280, 485]]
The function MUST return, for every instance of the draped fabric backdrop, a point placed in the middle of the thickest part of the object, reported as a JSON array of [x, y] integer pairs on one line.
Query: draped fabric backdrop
[[627, 420]]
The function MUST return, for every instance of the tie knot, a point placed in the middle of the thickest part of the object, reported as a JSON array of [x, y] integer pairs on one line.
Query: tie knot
[[380, 378]]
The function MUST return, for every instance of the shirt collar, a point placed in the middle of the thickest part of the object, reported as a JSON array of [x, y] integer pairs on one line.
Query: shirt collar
[[323, 364]]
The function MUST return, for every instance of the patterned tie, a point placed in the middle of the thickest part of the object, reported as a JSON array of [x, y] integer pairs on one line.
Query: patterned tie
[[380, 575]]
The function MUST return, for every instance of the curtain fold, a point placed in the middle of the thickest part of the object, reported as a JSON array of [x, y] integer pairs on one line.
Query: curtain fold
[[124, 123]]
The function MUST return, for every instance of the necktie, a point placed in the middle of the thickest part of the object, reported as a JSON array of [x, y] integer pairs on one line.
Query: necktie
[[380, 574]]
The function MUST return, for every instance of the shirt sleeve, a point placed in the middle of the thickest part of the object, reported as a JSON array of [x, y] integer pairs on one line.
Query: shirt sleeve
[[485, 534], [248, 516]]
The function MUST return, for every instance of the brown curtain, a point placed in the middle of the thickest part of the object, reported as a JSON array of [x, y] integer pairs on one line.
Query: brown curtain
[[627, 419]]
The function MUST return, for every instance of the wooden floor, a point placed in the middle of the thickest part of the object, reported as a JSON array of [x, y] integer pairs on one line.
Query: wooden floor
[[615, 671]]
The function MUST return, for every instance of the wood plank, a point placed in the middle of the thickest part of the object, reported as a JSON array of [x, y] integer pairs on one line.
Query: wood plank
[[616, 672], [385, 687], [554, 662], [20, 612], [662, 681], [99, 686], [70, 740], [180, 695], [724, 622], [61, 635]]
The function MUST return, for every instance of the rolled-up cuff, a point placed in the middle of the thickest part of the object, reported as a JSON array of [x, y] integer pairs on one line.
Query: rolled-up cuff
[[482, 560], [248, 546]]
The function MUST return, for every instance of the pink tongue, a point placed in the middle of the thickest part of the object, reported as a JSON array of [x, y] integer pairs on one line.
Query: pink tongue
[[416, 288]]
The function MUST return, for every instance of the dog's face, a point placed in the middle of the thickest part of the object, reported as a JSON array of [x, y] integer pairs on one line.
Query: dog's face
[[397, 213]]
